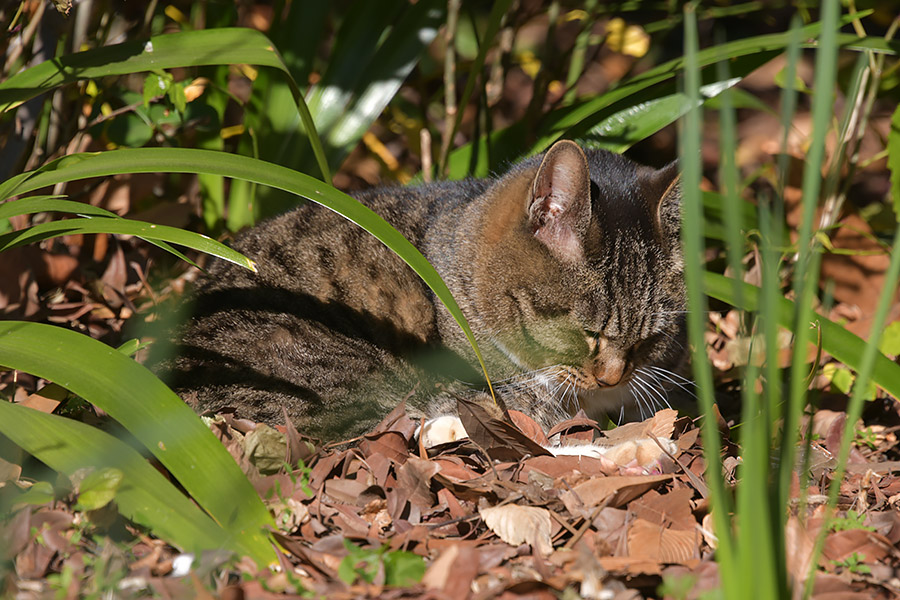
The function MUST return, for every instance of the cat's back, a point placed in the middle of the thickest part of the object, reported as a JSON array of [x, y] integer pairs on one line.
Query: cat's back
[[328, 309]]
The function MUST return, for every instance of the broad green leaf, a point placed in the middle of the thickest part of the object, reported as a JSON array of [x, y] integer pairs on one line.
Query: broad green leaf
[[99, 488], [837, 341], [144, 496], [39, 204], [148, 231], [622, 130], [184, 160], [224, 46], [37, 495], [150, 411]]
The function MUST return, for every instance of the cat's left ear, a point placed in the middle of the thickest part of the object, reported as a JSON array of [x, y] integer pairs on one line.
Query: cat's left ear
[[666, 191], [559, 210]]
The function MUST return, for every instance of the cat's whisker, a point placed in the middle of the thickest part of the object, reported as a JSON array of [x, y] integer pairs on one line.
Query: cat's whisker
[[572, 390], [649, 402], [671, 338], [651, 389], [658, 382], [670, 375], [638, 395]]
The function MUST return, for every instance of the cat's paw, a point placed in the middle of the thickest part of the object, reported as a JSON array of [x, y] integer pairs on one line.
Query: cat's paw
[[644, 454], [577, 450], [442, 430]]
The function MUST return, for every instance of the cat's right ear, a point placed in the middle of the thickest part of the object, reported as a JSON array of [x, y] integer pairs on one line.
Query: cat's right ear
[[666, 188], [559, 210]]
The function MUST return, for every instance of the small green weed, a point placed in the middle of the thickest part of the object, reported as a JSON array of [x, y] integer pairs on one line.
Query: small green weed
[[854, 564], [852, 520], [400, 567]]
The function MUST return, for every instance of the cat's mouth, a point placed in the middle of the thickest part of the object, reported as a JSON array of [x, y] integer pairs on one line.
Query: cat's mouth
[[595, 377]]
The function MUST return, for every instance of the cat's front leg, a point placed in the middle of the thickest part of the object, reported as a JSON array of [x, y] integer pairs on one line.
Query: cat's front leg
[[442, 430]]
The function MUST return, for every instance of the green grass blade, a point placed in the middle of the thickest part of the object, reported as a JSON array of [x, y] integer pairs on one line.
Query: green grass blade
[[184, 160], [144, 496], [38, 204], [807, 264], [692, 240], [849, 41], [837, 341], [792, 412], [186, 49], [158, 418], [894, 160], [147, 231]]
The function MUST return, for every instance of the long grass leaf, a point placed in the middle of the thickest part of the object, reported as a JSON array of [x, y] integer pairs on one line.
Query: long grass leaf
[[836, 340], [185, 49], [144, 496], [38, 204], [692, 239], [151, 412], [119, 226]]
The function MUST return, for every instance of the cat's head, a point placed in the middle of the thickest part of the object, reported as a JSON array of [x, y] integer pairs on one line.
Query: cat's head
[[582, 272]]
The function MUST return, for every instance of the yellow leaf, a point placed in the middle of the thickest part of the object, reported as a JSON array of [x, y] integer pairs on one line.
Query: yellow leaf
[[630, 40]]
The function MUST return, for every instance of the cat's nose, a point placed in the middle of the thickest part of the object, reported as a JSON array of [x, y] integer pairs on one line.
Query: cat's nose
[[609, 372]]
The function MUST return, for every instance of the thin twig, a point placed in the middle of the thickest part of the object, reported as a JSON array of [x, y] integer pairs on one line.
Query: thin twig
[[450, 107], [586, 525], [425, 153]]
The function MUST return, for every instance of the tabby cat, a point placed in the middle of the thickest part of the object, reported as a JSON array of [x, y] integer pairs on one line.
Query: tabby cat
[[568, 269]]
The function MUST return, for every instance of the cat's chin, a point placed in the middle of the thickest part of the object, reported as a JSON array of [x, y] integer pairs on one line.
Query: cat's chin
[[600, 403]]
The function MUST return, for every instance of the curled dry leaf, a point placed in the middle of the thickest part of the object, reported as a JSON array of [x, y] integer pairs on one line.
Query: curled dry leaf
[[655, 542], [516, 525]]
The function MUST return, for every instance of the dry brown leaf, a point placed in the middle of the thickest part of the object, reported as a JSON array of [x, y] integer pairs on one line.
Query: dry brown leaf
[[453, 571], [567, 465], [388, 443], [500, 439], [798, 545], [617, 489], [627, 565], [669, 510], [579, 428], [414, 477], [655, 542], [345, 490], [841, 544], [517, 525], [528, 426]]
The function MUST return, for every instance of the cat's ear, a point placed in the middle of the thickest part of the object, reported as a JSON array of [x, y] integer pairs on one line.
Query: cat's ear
[[665, 190], [559, 210]]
